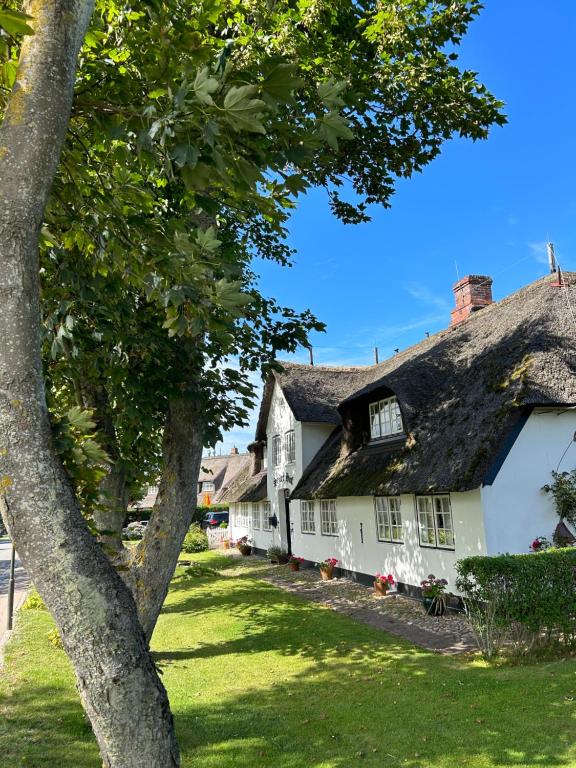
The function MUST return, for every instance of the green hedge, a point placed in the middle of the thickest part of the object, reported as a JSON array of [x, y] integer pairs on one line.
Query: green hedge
[[521, 602]]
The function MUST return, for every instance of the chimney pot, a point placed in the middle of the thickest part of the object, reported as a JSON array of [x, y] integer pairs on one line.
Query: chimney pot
[[471, 293]]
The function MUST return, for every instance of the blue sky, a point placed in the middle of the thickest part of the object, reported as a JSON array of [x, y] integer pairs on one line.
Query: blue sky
[[488, 207]]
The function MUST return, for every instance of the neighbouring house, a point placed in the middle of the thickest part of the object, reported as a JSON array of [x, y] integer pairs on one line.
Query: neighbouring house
[[217, 474], [437, 453]]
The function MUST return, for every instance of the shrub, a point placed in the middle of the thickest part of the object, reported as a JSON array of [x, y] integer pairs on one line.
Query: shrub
[[33, 602], [277, 555], [195, 540], [526, 602], [54, 637]]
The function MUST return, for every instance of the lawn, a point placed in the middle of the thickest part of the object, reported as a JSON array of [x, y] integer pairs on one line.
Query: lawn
[[257, 677]]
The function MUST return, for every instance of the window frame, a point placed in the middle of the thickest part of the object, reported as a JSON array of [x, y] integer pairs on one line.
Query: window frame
[[266, 513], [438, 505], [243, 514], [380, 407], [276, 450], [208, 490], [329, 505], [255, 514], [310, 509], [290, 446], [387, 513]]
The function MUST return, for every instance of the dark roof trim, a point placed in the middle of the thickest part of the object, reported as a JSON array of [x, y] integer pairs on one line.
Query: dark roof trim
[[507, 445]]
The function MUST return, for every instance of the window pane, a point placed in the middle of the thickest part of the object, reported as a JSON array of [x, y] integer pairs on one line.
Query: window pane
[[290, 446], [328, 520], [266, 516], [256, 516]]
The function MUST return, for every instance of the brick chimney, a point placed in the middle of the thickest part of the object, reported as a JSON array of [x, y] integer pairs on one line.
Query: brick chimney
[[472, 293], [234, 451]]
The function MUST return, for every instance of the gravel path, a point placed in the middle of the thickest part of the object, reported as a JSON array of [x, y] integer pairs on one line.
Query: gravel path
[[396, 614]]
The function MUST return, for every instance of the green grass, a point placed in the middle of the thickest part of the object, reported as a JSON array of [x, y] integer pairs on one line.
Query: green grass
[[257, 677]]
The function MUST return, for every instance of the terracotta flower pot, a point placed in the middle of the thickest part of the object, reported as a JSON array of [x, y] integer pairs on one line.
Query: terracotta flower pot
[[294, 566], [381, 587], [226, 544], [327, 573], [245, 550]]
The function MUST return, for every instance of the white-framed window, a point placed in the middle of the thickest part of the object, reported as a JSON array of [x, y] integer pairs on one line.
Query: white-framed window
[[244, 514], [385, 418], [265, 457], [266, 512], [307, 517], [435, 527], [290, 446], [153, 490], [256, 517], [388, 519], [328, 519], [208, 486], [276, 450]]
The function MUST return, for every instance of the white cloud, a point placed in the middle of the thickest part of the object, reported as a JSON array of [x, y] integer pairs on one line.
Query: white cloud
[[539, 251], [425, 296]]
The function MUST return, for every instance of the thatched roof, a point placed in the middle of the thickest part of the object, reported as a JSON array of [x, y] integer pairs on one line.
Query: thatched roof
[[313, 392], [247, 487], [223, 472], [462, 393]]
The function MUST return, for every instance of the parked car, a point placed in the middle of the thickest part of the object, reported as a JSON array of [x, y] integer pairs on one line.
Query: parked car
[[214, 519]]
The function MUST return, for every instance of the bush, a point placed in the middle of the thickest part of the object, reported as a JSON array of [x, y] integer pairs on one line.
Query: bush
[[33, 602], [277, 555], [195, 540], [524, 602]]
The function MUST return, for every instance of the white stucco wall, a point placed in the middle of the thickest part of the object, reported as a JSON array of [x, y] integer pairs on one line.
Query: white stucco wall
[[408, 562], [259, 538], [516, 509], [313, 436]]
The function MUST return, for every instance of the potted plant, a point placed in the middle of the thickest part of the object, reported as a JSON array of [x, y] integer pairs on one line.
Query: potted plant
[[277, 555], [225, 542], [434, 595], [243, 546], [327, 568], [383, 583], [295, 562]]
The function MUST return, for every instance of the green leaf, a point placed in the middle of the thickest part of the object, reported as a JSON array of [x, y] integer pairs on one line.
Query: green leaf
[[334, 127], [14, 22], [242, 111], [330, 92], [204, 85], [207, 240], [282, 81], [184, 154], [9, 70], [157, 93]]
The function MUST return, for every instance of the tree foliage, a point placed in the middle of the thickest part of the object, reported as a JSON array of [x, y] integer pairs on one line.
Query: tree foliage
[[196, 127]]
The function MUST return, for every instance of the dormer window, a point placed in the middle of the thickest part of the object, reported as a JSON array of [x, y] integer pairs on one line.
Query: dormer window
[[385, 418]]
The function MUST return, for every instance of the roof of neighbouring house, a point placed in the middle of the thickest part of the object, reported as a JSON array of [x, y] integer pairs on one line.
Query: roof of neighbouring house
[[223, 472], [462, 393]]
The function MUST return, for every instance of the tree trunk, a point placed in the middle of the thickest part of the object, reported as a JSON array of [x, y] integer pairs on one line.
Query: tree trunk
[[153, 561], [93, 610], [109, 518]]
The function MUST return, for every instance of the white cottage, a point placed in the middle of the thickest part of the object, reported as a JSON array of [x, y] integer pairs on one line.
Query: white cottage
[[437, 453]]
